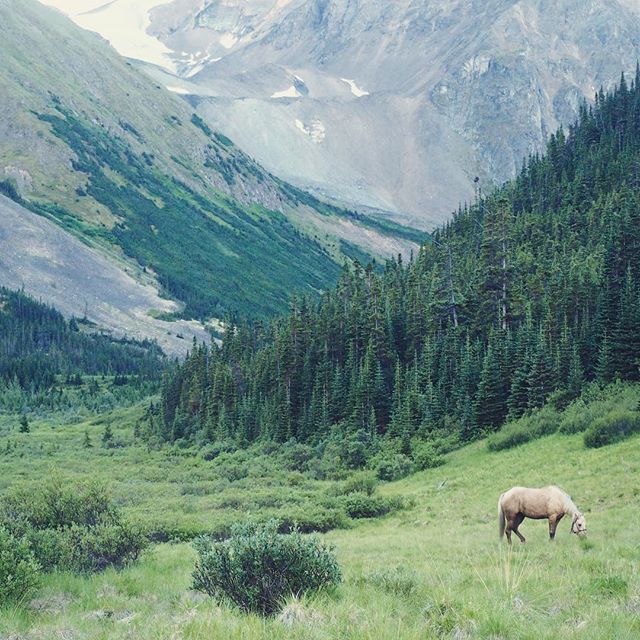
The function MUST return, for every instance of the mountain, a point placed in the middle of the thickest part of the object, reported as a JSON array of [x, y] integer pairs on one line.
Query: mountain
[[525, 297], [58, 268], [118, 161], [394, 105]]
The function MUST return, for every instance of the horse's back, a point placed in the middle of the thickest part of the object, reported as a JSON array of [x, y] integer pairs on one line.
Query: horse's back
[[532, 502]]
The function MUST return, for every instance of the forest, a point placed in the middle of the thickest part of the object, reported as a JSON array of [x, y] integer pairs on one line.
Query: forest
[[528, 294], [43, 357]]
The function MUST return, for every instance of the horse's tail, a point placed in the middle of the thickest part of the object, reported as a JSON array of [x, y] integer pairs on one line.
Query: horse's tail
[[501, 520]]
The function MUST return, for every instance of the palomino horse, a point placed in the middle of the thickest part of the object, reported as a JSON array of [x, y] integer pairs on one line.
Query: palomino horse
[[552, 503]]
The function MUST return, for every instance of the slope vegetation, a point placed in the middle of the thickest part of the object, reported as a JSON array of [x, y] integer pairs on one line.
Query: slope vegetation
[[94, 145], [435, 570]]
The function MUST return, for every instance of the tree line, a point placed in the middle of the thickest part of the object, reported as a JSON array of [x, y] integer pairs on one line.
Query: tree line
[[39, 347]]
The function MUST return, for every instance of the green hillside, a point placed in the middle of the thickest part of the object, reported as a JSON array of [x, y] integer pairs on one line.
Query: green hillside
[[432, 570], [124, 164], [527, 295]]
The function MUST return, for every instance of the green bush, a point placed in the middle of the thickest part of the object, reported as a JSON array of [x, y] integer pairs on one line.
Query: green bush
[[257, 568], [596, 403], [19, 571], [393, 467], [359, 482], [71, 527], [312, 518], [426, 456], [525, 429], [361, 505], [614, 427]]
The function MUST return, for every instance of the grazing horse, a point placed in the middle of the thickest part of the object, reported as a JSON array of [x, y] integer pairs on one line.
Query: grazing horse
[[550, 502]]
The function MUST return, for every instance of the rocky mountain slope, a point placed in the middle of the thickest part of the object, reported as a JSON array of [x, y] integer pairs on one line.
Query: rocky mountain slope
[[92, 144], [57, 268], [396, 105]]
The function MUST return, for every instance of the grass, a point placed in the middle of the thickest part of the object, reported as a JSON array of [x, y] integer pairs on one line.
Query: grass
[[436, 570]]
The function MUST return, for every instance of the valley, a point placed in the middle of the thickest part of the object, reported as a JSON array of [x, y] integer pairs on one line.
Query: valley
[[244, 393]]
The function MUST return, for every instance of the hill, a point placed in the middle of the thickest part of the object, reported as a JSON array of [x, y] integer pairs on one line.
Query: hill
[[395, 105], [95, 146], [434, 569], [527, 295]]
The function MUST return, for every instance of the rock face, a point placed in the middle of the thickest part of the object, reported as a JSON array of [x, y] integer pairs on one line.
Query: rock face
[[395, 105]]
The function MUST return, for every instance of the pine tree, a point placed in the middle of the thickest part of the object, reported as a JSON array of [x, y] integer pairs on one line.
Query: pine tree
[[24, 424]]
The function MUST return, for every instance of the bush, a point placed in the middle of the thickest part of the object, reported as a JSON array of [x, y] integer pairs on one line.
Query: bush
[[525, 429], [71, 527], [257, 568], [614, 427], [311, 518], [596, 403], [426, 456], [19, 571], [393, 467], [361, 505], [359, 482]]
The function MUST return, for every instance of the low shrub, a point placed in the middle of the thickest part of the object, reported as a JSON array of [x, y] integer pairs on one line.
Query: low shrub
[[71, 527], [361, 505], [359, 482], [393, 467], [596, 403], [312, 518], [614, 427], [426, 456], [525, 429], [257, 568], [19, 571]]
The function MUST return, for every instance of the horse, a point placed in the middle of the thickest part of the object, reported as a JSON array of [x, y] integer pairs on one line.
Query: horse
[[550, 502]]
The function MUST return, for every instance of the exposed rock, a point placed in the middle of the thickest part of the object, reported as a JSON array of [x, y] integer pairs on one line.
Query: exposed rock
[[442, 90]]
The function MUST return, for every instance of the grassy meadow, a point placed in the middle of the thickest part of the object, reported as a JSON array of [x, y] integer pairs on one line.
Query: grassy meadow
[[433, 570]]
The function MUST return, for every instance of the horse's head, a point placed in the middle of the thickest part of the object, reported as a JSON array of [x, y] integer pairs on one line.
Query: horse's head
[[579, 524]]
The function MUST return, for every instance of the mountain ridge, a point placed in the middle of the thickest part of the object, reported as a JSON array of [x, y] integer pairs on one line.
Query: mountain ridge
[[453, 90]]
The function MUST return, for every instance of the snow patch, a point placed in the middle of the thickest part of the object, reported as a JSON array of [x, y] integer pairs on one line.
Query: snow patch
[[291, 92], [179, 90], [316, 130], [228, 40], [476, 66], [123, 23], [355, 89]]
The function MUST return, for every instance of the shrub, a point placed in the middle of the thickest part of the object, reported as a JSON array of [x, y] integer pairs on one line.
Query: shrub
[[311, 518], [359, 482], [426, 456], [257, 568], [596, 403], [71, 527], [19, 571], [614, 427], [393, 467], [525, 429], [361, 505]]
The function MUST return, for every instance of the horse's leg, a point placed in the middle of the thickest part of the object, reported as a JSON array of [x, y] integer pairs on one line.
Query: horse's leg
[[517, 522], [553, 525], [508, 531]]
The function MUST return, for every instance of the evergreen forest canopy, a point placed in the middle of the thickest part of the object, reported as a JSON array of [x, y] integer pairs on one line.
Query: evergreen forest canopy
[[528, 292], [37, 345]]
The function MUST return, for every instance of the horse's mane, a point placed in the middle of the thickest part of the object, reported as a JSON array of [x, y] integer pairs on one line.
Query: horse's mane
[[569, 504]]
